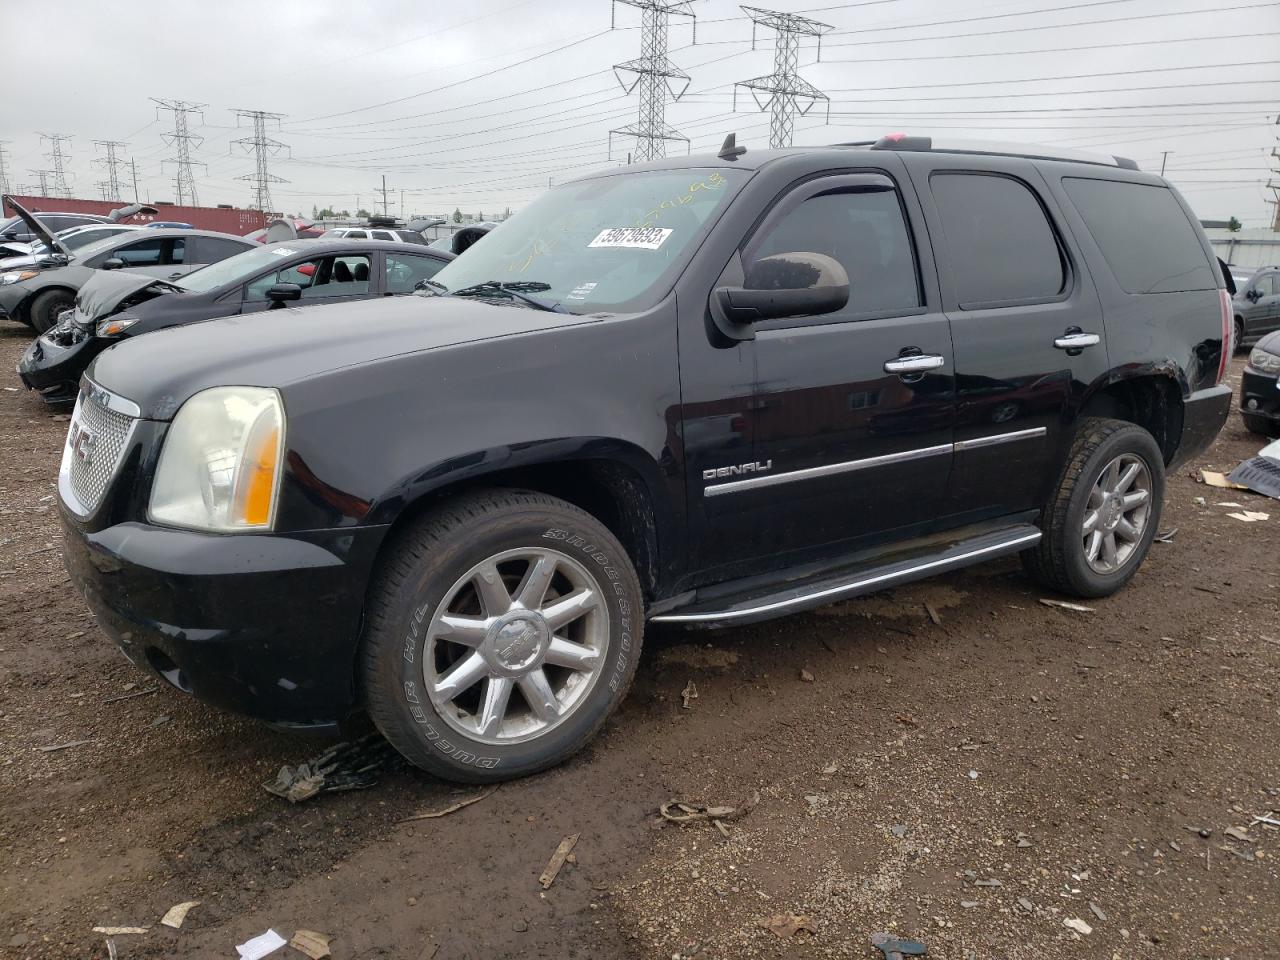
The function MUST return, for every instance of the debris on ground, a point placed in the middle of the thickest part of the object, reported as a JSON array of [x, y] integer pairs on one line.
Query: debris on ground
[[933, 614], [1215, 479], [1261, 474], [1097, 911], [346, 766], [689, 693], [452, 808], [1064, 605], [907, 720], [895, 948], [65, 746], [677, 811], [1237, 833], [130, 696], [806, 676], [788, 924], [557, 861], [1249, 516], [174, 916], [314, 945], [258, 947], [1166, 536], [118, 931], [1078, 925]]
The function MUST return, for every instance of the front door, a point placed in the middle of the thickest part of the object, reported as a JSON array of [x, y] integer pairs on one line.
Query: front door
[[325, 279], [1262, 312], [1027, 326], [850, 416]]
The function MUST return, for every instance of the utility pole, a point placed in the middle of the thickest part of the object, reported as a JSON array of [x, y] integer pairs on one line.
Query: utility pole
[[43, 176], [4, 170], [133, 165], [785, 87], [181, 140], [1275, 187], [656, 77], [384, 195], [263, 148], [1164, 158], [112, 163], [58, 159]]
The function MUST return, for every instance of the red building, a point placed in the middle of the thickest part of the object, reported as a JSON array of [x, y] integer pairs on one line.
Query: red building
[[224, 219]]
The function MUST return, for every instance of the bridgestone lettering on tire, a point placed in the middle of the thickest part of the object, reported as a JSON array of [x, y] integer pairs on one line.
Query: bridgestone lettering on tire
[[1102, 517], [503, 629]]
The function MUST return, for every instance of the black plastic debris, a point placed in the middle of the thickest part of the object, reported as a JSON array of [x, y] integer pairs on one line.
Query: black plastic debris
[[345, 766]]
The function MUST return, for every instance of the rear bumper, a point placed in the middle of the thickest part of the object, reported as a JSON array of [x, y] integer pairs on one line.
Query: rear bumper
[[56, 369], [264, 625], [1203, 415], [1260, 394]]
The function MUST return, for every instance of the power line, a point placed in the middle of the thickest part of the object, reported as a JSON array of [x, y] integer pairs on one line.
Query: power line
[[58, 159], [112, 163], [654, 73], [263, 148], [785, 87], [181, 140]]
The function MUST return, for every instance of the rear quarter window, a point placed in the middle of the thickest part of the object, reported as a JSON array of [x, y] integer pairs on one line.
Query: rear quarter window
[[1144, 235]]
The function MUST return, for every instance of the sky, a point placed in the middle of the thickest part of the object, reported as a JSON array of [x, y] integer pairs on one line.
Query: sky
[[481, 106]]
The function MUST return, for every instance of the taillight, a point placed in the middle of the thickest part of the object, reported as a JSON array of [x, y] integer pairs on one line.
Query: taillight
[[1228, 334]]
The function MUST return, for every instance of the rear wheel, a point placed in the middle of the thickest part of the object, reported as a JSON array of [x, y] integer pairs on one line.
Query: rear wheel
[[46, 307], [503, 630], [1239, 340], [1100, 522]]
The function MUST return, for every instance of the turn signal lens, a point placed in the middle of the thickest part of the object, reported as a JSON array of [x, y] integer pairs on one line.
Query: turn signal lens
[[115, 326], [255, 486]]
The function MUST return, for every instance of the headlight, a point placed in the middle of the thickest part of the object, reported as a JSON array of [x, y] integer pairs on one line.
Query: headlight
[[116, 326], [18, 276], [220, 465], [1264, 362]]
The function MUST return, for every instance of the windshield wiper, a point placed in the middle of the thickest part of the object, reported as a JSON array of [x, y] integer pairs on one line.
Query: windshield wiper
[[515, 289], [425, 284]]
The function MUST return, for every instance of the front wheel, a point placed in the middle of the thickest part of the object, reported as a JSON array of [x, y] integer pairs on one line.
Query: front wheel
[[1101, 519], [503, 630], [46, 307]]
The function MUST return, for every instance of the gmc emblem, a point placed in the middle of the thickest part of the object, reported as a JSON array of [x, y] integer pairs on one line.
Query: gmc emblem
[[81, 441]]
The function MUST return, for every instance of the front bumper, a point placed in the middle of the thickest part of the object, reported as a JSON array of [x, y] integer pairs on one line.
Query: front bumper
[[1260, 394], [54, 368], [261, 624], [1203, 415], [12, 295]]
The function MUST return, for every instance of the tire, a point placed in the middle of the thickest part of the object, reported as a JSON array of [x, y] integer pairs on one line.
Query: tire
[[1263, 426], [47, 305], [435, 569], [1060, 560], [1239, 340]]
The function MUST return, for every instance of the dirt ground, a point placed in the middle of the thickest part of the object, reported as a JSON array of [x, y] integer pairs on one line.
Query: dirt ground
[[974, 783]]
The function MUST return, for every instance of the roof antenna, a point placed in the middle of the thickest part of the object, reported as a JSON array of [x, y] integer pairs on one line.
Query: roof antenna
[[730, 150]]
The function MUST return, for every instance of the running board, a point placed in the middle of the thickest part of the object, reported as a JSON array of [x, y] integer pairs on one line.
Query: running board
[[854, 583]]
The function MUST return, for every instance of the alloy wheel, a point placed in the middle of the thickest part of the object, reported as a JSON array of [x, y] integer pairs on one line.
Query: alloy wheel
[[1117, 513]]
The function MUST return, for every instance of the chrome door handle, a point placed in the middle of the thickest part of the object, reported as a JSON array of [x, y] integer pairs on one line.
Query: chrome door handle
[[1077, 341], [914, 363]]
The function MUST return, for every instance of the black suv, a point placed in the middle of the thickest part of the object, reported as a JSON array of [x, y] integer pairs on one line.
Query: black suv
[[703, 391]]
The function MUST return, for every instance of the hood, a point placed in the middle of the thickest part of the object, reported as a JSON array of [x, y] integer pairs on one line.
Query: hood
[[108, 290], [275, 348], [1269, 343], [132, 210], [38, 228]]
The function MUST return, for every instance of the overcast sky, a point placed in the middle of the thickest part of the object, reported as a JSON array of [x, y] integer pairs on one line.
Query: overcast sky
[[479, 105]]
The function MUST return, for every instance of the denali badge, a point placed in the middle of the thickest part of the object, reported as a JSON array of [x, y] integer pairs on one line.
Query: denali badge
[[81, 441], [717, 472]]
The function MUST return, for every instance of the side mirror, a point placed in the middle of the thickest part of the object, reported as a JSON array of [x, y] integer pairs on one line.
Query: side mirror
[[785, 285], [11, 234], [1253, 294], [115, 263], [284, 292]]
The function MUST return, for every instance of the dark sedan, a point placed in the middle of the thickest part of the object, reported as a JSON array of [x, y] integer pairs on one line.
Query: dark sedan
[[1260, 387], [114, 306]]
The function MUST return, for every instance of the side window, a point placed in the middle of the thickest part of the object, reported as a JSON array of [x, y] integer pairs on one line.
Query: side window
[[405, 272], [1144, 235], [356, 235], [213, 249], [178, 251], [1266, 284], [866, 232], [998, 240], [383, 235], [319, 279], [144, 253]]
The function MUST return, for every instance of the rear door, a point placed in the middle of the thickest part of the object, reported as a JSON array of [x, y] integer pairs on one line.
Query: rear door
[[1026, 324]]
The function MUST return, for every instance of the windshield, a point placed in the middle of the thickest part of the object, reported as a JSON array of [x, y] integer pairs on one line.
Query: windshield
[[615, 242], [240, 267]]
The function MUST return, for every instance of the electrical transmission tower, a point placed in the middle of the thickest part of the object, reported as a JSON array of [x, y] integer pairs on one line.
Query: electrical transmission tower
[[181, 140], [112, 163], [4, 170], [43, 177], [656, 76], [1273, 186], [58, 159], [263, 148], [785, 87]]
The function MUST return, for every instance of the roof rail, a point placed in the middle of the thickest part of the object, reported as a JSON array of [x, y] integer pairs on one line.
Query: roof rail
[[903, 142]]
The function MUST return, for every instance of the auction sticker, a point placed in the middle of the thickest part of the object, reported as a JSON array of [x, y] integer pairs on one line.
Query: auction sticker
[[636, 238]]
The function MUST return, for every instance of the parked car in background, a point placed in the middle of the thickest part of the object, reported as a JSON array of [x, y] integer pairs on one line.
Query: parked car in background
[[1256, 306], [116, 305], [734, 387], [169, 225], [1260, 387], [1240, 276], [16, 230], [464, 237], [374, 233], [73, 238], [37, 296]]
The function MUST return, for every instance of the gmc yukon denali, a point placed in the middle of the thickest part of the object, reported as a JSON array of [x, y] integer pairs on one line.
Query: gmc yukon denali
[[703, 391]]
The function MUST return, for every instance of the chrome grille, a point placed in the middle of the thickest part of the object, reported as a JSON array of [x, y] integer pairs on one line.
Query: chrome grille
[[95, 445]]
